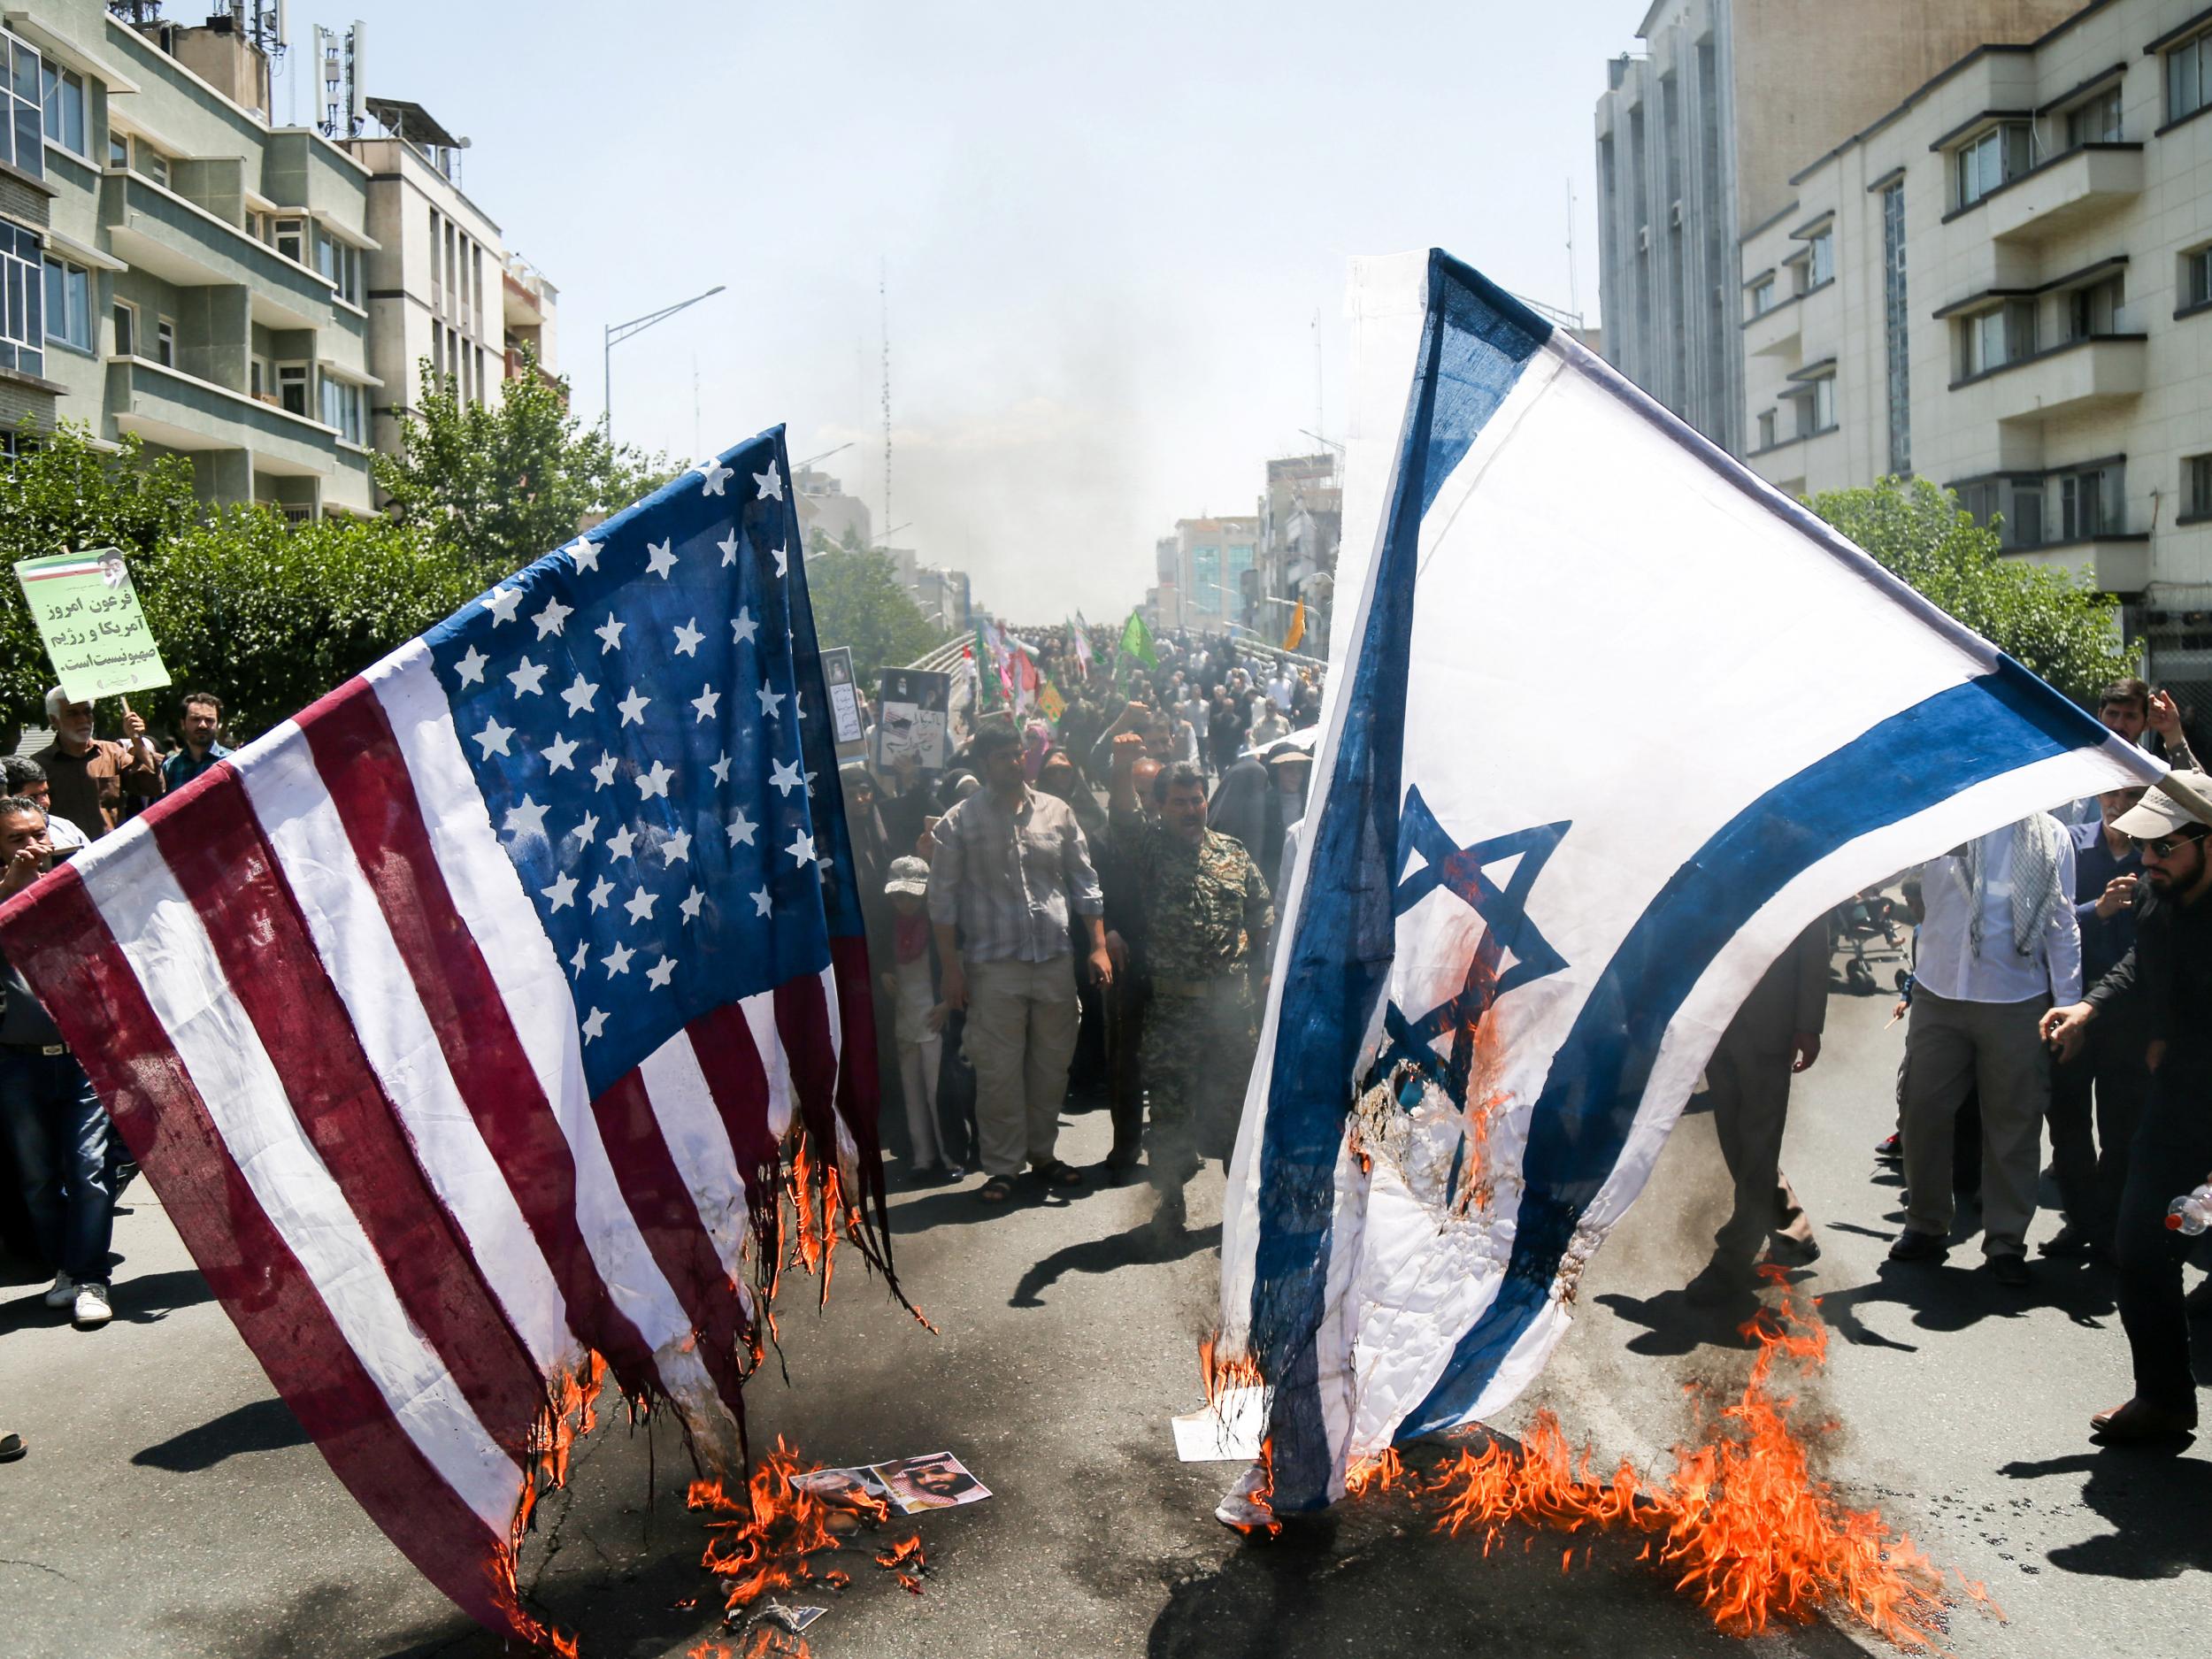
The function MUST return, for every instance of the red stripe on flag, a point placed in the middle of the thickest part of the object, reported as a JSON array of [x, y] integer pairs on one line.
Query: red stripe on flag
[[226, 866], [60, 941], [802, 1023], [369, 783], [738, 1081], [668, 1216], [859, 1086]]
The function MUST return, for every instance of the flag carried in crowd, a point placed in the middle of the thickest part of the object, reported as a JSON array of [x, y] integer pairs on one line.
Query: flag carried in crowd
[[1510, 956], [1296, 635], [460, 1021], [1136, 642]]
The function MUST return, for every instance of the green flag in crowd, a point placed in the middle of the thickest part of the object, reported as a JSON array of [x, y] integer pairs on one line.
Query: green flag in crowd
[[1136, 639]]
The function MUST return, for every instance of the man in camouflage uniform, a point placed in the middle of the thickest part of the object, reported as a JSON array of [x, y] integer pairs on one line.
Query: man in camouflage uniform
[[1206, 920]]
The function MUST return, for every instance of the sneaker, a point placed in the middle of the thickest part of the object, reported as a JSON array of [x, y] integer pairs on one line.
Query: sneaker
[[12, 1447], [64, 1291], [92, 1310], [1892, 1150]]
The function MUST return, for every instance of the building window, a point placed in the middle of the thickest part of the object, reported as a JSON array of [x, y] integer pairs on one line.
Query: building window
[[2189, 76], [1816, 406], [2196, 487], [1984, 163], [63, 95], [126, 329], [118, 150], [437, 271], [1896, 332], [1820, 258], [292, 387], [69, 304], [2196, 278], [342, 408], [22, 136], [151, 162], [340, 263], [2097, 308], [165, 342], [1766, 429], [22, 302], [1989, 339], [2013, 507], [263, 374], [2089, 503], [1763, 296], [291, 240], [2095, 122]]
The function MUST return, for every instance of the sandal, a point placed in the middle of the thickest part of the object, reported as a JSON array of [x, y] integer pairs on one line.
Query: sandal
[[1059, 1173], [997, 1190]]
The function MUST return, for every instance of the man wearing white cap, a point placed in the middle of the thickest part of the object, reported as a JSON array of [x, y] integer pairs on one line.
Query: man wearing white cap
[[2167, 977]]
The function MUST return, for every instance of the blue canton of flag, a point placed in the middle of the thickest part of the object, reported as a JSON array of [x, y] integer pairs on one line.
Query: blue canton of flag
[[642, 712]]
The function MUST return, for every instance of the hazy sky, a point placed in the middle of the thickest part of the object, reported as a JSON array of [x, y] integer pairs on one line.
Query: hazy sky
[[1107, 230]]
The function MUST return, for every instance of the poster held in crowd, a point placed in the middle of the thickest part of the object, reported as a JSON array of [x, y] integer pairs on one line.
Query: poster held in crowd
[[844, 696], [88, 615], [911, 705]]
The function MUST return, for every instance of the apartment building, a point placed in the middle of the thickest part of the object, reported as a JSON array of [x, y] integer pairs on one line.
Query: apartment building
[[445, 296], [2013, 297], [1695, 140], [204, 278], [1208, 573]]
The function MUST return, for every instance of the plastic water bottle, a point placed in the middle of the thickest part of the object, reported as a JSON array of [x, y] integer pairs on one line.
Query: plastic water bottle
[[2192, 1213]]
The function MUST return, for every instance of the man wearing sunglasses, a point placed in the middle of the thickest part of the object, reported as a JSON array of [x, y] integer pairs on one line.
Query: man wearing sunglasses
[[2166, 981]]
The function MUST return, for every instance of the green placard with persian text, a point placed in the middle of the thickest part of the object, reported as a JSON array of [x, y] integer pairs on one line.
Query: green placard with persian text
[[88, 613]]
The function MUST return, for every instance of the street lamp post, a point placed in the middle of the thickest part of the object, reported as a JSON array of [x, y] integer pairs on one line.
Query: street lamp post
[[617, 333]]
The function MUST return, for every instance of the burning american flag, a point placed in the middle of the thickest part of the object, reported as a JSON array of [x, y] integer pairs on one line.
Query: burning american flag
[[461, 1023]]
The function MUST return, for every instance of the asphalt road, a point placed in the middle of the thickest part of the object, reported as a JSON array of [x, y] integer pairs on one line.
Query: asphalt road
[[169, 1505]]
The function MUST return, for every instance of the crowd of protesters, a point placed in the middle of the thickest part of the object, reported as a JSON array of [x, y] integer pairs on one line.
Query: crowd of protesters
[[1035, 951], [1075, 912], [1119, 958]]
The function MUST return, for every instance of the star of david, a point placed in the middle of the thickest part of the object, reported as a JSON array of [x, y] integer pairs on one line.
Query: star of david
[[1506, 929]]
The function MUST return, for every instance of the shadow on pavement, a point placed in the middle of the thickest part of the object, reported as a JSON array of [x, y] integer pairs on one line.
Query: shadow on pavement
[[1133, 1249], [1949, 1298], [958, 1205], [2155, 1502], [266, 1425]]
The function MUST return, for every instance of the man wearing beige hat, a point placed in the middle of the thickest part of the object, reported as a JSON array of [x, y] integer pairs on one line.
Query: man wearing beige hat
[[2168, 980]]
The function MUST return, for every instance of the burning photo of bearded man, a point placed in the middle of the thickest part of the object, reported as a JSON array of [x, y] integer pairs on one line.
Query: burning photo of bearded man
[[936, 1480]]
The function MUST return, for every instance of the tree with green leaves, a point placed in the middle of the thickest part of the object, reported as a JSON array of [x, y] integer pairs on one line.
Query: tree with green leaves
[[266, 614], [2054, 621], [506, 486], [858, 602]]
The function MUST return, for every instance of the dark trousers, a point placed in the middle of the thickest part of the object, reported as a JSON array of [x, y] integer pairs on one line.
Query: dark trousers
[[1751, 1107], [2092, 1169], [955, 1094], [1131, 997], [59, 1131], [2172, 1153]]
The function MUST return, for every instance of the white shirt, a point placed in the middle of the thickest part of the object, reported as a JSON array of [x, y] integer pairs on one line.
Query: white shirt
[[1279, 689], [1947, 964]]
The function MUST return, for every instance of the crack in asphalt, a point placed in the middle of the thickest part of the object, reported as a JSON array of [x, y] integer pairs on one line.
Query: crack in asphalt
[[10, 1561]]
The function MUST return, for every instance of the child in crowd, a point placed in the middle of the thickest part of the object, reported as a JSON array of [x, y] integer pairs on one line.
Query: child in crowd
[[918, 1015]]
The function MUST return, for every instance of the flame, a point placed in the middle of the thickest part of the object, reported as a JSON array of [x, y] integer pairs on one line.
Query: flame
[[774, 1526], [1221, 1372], [1741, 1523]]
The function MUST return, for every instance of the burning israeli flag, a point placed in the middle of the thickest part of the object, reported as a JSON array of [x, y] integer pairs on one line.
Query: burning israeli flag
[[1602, 742]]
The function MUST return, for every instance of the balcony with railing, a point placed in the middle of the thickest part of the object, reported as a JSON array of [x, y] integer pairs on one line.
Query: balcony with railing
[[2076, 376], [161, 233]]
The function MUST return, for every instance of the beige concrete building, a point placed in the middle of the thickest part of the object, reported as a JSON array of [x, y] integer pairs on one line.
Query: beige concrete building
[[444, 295], [2016, 302], [1695, 143]]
